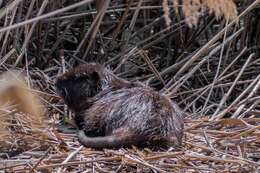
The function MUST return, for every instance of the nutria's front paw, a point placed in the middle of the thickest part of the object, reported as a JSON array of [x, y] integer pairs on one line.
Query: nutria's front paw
[[66, 129], [81, 135]]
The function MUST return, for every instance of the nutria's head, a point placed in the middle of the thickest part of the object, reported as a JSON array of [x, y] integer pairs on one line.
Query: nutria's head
[[78, 86]]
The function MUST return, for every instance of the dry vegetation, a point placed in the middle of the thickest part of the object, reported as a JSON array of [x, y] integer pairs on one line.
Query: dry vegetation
[[204, 54]]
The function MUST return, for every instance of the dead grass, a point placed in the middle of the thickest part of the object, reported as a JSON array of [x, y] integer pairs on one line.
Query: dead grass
[[194, 9], [211, 71], [21, 112], [230, 145]]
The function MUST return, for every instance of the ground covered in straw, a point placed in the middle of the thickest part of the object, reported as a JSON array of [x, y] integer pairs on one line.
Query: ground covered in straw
[[228, 145]]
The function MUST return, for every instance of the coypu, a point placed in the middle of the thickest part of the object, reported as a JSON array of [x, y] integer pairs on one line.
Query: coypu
[[111, 112]]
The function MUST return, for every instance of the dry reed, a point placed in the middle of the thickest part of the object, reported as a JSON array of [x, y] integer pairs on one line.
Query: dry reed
[[211, 71], [194, 9]]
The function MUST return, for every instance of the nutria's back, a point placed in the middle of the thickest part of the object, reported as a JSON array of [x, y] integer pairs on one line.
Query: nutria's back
[[139, 111], [79, 85]]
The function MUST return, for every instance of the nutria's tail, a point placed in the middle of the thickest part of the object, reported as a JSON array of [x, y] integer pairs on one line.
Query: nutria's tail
[[113, 141]]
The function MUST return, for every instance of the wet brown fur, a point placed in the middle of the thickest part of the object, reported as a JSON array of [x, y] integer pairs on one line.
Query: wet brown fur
[[111, 112]]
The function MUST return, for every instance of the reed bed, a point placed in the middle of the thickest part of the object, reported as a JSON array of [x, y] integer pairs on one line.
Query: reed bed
[[203, 54]]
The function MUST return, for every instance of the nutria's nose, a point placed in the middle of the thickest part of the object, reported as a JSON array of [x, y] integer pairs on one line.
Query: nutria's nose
[[59, 89]]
